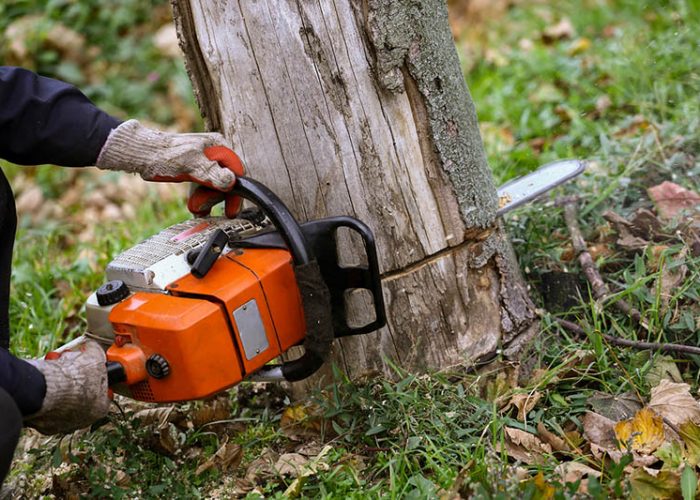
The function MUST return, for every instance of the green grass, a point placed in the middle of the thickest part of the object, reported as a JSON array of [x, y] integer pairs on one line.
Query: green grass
[[419, 436]]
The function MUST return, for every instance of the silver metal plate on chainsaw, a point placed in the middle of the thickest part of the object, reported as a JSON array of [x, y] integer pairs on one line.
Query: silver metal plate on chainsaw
[[161, 259], [519, 191], [251, 329]]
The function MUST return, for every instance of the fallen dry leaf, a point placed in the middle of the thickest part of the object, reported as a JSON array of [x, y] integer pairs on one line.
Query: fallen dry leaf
[[599, 430], [211, 411], [671, 277], [160, 416], [666, 484], [643, 433], [290, 464], [673, 402], [602, 104], [616, 408], [228, 456], [524, 403], [302, 421], [579, 46], [662, 367], [525, 447], [570, 472], [563, 29], [307, 470], [634, 125], [671, 199], [262, 467], [639, 231], [690, 434], [548, 437]]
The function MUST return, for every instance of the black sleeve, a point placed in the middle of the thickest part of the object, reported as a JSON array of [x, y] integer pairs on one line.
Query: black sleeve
[[47, 121], [24, 383]]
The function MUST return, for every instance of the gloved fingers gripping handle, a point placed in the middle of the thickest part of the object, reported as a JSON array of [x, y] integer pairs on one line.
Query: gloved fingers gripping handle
[[203, 198], [315, 296]]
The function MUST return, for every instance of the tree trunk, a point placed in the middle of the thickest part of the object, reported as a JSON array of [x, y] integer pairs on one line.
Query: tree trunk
[[351, 107]]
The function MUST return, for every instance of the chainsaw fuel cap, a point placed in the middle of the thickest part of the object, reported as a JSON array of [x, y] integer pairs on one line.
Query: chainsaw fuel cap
[[112, 292]]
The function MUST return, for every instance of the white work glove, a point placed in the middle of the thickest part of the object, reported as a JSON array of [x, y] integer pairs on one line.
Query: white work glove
[[76, 388], [165, 157]]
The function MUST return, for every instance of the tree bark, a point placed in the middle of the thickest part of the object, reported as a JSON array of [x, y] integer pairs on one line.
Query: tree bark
[[351, 107]]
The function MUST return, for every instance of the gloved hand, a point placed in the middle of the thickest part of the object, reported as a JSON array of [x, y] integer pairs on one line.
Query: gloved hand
[[76, 388], [202, 198], [164, 156]]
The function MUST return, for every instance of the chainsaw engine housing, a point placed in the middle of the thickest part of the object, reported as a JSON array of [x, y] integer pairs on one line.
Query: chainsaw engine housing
[[207, 334]]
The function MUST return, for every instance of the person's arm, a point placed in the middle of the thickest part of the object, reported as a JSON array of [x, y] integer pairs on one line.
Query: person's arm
[[23, 382], [47, 121]]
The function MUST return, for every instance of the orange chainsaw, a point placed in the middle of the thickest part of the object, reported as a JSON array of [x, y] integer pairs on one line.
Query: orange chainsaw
[[209, 302]]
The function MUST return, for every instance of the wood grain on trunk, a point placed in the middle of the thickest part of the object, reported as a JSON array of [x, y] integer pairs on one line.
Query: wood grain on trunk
[[296, 87]]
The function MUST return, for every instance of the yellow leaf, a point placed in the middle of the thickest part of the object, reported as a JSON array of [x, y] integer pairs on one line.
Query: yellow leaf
[[544, 490], [643, 433], [579, 45], [690, 433]]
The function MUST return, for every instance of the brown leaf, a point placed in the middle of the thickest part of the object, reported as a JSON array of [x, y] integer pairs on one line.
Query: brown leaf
[[570, 472], [169, 439], [634, 125], [563, 29], [673, 402], [637, 232], [290, 464], [671, 199], [617, 407], [557, 443], [525, 447], [643, 433], [599, 430], [524, 403], [160, 416], [211, 411], [302, 422], [262, 467], [671, 278], [227, 457]]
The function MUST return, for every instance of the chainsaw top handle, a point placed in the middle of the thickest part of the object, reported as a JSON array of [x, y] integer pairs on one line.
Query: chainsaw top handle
[[279, 215], [315, 296]]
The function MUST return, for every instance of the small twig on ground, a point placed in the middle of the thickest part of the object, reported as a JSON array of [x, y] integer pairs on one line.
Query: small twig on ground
[[635, 344], [600, 289]]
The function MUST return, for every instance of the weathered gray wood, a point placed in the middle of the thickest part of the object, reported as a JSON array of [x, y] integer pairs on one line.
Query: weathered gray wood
[[360, 108]]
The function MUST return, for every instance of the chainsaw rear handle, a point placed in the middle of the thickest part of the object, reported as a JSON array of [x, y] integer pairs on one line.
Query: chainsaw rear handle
[[315, 296]]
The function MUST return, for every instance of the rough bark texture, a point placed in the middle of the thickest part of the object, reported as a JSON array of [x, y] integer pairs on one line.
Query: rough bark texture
[[360, 108]]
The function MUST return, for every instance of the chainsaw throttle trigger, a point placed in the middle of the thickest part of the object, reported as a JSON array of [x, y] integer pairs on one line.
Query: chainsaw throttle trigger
[[208, 254]]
